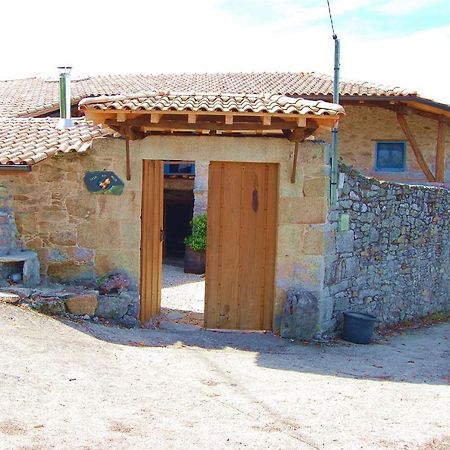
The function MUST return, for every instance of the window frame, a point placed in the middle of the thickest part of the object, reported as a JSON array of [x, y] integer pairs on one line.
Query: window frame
[[394, 170]]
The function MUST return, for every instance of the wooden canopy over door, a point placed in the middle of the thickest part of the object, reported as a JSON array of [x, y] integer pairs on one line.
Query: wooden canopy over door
[[240, 265], [151, 238]]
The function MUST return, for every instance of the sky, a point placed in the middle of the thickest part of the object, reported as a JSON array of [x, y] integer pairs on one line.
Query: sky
[[402, 43]]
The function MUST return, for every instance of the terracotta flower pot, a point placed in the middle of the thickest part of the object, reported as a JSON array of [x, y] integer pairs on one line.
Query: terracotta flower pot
[[194, 261]]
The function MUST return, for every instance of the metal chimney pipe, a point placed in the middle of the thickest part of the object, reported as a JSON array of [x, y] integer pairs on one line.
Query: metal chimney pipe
[[65, 103]]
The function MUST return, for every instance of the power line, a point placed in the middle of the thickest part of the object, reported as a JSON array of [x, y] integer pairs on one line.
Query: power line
[[331, 20]]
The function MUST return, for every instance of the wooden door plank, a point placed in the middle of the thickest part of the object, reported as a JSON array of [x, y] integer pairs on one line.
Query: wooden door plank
[[213, 246], [230, 232], [151, 244], [251, 245], [270, 246]]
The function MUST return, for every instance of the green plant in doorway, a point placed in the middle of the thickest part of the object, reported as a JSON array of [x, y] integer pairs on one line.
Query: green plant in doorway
[[197, 239]]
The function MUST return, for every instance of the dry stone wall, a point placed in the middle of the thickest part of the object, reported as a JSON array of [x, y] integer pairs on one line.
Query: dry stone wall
[[394, 259]]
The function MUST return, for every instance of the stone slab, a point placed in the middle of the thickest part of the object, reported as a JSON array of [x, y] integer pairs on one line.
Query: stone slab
[[8, 297], [17, 257], [82, 304]]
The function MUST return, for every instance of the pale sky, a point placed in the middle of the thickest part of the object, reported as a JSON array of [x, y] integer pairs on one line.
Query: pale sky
[[396, 42]]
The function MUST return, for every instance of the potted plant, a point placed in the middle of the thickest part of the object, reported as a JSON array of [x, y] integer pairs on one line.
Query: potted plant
[[195, 254]]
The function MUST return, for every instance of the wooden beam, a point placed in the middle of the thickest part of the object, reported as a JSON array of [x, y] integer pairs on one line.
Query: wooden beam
[[121, 117], [417, 153], [132, 133], [192, 118], [229, 119], [294, 163], [283, 116], [266, 120], [143, 122], [299, 134], [154, 118], [301, 122], [128, 164], [440, 153]]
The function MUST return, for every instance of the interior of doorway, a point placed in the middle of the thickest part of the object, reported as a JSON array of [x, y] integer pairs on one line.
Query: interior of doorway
[[182, 294]]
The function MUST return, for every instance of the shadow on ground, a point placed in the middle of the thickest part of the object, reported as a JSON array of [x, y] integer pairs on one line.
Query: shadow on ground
[[414, 356]]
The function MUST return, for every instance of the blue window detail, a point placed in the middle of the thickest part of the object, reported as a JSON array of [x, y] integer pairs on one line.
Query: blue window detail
[[182, 168], [390, 156]]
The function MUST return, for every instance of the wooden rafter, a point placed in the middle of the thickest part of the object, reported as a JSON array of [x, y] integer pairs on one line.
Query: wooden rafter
[[440, 153], [412, 141]]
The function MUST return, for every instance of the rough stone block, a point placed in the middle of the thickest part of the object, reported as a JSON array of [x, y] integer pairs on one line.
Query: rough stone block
[[345, 241], [115, 282], [51, 306], [313, 240], [129, 321], [70, 272], [301, 315], [112, 307], [290, 238], [309, 270], [82, 304], [63, 238], [306, 210], [31, 269], [316, 187]]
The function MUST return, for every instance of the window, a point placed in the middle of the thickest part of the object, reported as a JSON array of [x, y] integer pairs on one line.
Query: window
[[180, 168], [390, 156]]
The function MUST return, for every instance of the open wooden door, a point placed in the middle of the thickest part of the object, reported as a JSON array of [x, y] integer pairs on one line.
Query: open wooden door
[[151, 238], [240, 258]]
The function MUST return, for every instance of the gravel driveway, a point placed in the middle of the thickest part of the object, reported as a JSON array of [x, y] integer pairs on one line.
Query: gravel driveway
[[86, 386]]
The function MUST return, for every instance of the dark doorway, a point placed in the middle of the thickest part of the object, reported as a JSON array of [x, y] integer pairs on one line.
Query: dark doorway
[[178, 210]]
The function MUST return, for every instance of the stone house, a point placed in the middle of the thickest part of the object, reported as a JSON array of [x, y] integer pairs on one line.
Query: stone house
[[270, 131]]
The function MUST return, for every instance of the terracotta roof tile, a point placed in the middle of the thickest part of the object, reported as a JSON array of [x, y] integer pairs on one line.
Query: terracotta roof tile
[[213, 102], [35, 96], [28, 141]]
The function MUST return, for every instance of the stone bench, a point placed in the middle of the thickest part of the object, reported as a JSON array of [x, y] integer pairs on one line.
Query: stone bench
[[30, 266]]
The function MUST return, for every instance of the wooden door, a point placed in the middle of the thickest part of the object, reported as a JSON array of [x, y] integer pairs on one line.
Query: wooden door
[[240, 258], [151, 238]]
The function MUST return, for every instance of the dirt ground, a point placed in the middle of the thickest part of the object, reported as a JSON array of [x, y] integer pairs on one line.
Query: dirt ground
[[86, 386]]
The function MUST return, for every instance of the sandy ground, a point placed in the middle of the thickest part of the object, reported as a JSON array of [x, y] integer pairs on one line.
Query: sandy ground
[[86, 386], [182, 291]]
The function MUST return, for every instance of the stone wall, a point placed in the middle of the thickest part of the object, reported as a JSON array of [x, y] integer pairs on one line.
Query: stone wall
[[394, 259], [78, 235], [362, 126]]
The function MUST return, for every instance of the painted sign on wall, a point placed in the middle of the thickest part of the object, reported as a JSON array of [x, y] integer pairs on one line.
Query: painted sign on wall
[[104, 182]]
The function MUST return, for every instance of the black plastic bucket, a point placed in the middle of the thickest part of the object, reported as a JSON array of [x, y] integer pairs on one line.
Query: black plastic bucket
[[358, 327]]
